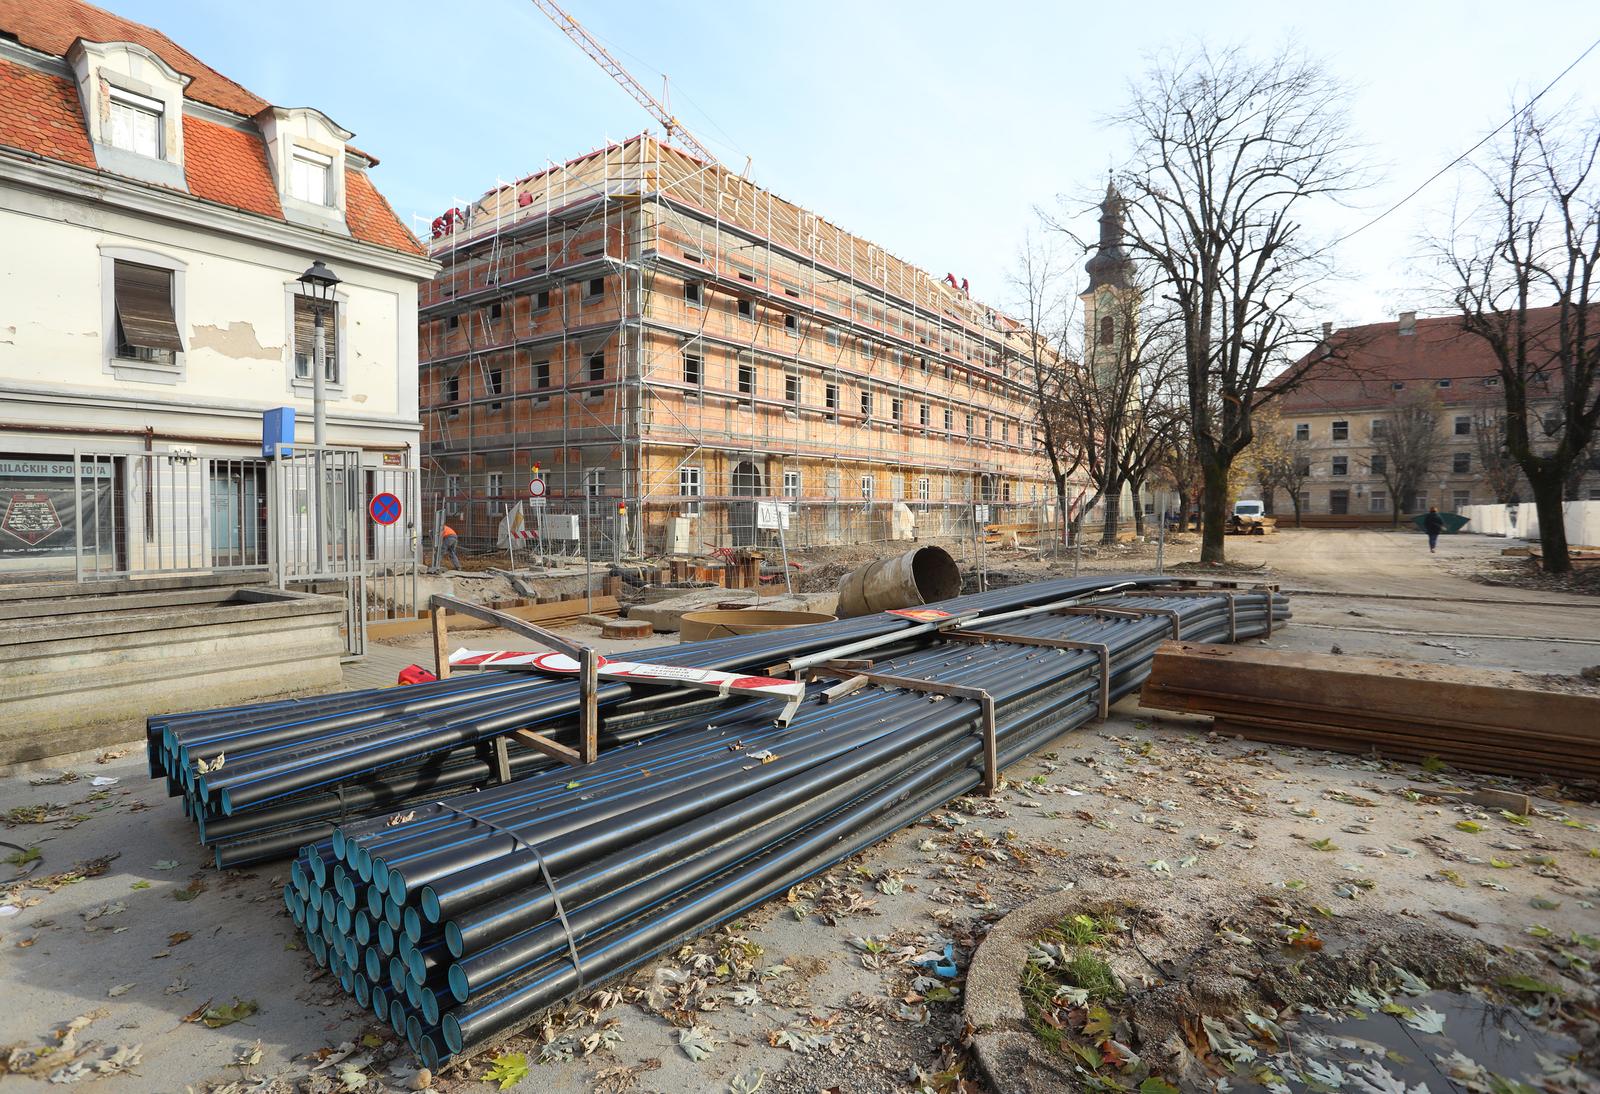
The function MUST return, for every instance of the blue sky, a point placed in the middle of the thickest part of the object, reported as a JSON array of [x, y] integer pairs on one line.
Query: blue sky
[[933, 128]]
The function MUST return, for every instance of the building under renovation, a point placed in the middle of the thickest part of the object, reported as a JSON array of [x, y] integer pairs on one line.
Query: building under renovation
[[669, 343]]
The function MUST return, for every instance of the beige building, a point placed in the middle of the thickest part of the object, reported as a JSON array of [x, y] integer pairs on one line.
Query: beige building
[[1338, 410]]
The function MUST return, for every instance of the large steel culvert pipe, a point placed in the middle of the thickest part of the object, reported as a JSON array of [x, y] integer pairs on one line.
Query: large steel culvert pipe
[[922, 576]]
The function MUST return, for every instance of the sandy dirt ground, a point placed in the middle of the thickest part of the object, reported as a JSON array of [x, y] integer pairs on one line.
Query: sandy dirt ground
[[122, 925]]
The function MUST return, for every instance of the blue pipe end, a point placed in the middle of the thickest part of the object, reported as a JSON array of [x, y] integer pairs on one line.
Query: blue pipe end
[[430, 1007], [451, 1028], [430, 904], [452, 939], [458, 983], [413, 924], [380, 1002]]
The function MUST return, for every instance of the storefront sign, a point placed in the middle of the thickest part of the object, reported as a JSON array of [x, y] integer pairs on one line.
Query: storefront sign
[[53, 469]]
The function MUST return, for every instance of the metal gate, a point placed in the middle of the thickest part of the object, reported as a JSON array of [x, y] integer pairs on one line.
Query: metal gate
[[317, 517], [392, 550]]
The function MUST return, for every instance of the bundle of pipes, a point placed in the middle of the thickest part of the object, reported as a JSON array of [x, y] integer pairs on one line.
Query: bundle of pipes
[[260, 780], [458, 920]]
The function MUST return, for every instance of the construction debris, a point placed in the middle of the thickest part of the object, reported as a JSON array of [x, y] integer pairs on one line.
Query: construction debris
[[1473, 718]]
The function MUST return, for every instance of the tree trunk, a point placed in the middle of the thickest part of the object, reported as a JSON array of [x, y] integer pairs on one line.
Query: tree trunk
[[1138, 509], [1295, 497], [1113, 514], [1267, 495], [1547, 500], [1184, 505], [1214, 512]]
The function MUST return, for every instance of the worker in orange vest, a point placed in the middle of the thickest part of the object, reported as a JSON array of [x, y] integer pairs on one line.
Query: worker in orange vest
[[448, 540]]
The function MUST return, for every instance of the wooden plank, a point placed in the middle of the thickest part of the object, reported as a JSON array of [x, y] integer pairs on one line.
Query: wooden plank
[[505, 620], [441, 654], [544, 744]]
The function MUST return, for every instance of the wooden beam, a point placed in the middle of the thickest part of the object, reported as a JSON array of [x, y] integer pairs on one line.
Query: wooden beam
[[511, 623], [441, 654], [544, 744]]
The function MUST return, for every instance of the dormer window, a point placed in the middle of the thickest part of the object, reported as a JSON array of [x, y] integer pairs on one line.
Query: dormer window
[[135, 123], [309, 176]]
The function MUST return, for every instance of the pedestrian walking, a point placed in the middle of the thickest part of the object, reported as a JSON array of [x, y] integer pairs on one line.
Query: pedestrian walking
[[448, 540], [1433, 524]]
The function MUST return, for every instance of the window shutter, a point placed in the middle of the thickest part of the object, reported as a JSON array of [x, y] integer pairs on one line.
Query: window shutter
[[305, 335], [144, 307]]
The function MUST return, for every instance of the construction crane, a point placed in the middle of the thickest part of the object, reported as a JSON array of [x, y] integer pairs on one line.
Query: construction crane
[[613, 68]]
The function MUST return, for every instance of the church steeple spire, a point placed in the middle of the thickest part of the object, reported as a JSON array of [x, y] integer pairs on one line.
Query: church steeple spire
[[1110, 265]]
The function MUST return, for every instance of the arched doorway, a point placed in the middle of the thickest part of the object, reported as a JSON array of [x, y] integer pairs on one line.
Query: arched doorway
[[748, 482]]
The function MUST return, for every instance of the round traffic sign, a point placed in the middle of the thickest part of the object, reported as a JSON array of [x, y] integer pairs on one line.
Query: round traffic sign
[[536, 488], [385, 508]]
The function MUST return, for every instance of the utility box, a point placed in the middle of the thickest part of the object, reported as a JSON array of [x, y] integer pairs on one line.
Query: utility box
[[562, 526], [277, 427]]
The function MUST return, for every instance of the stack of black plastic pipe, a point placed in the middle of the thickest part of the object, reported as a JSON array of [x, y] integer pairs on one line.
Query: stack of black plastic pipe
[[458, 920], [260, 780]]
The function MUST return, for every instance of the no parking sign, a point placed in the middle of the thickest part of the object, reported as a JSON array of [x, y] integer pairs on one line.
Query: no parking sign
[[384, 508]]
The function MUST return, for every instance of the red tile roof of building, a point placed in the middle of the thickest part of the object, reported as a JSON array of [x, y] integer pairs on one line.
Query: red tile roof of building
[[230, 166], [40, 113], [51, 26], [1369, 360]]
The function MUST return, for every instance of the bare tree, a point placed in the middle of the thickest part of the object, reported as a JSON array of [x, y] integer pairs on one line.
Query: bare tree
[[1526, 278], [1495, 463], [1279, 461], [1230, 152], [1405, 447], [1294, 469], [1038, 282]]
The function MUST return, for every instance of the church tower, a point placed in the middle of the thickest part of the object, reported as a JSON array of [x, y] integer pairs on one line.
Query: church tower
[[1109, 301]]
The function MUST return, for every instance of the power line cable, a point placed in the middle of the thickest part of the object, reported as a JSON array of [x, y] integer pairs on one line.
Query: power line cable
[[1486, 139]]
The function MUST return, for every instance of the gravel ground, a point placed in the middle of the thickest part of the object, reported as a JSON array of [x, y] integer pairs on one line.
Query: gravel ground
[[119, 923]]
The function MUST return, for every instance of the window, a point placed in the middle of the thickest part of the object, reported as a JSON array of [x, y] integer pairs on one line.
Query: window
[[1005, 491], [305, 339], [988, 429], [1378, 502], [311, 177], [452, 389], [1379, 428], [866, 404], [830, 396], [923, 415], [690, 485], [1108, 330], [1444, 383], [791, 484], [594, 482], [792, 388], [1305, 500], [1005, 432], [453, 322], [496, 310], [1380, 464], [747, 308], [541, 374], [1398, 385], [924, 491], [866, 349], [1461, 463], [831, 483], [497, 381], [452, 486], [869, 486], [541, 300], [1460, 500], [691, 293], [691, 256], [147, 327], [1338, 501], [747, 277], [897, 408], [493, 490], [597, 286], [791, 323], [1302, 431], [1341, 465], [1463, 425], [693, 369], [597, 366], [969, 424], [1341, 431], [1492, 381], [747, 378], [136, 123], [832, 335]]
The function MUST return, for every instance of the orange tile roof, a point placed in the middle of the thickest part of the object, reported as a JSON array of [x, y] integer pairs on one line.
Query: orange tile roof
[[39, 113], [228, 166], [51, 26], [369, 216]]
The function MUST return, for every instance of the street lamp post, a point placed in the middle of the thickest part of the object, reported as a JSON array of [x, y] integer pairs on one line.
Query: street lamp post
[[320, 285]]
